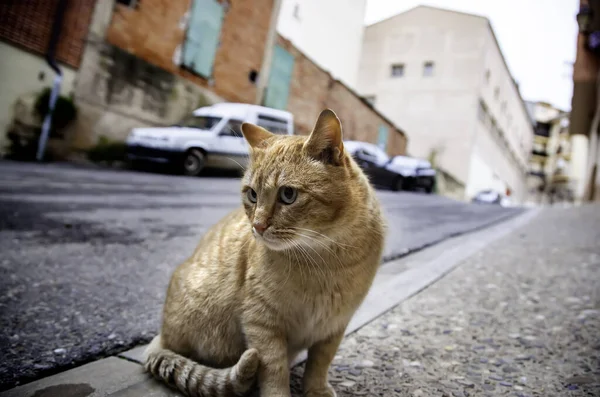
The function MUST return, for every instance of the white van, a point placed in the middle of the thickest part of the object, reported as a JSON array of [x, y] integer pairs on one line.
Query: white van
[[209, 137]]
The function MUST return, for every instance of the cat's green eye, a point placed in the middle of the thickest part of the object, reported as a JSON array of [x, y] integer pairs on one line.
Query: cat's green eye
[[251, 194], [287, 195]]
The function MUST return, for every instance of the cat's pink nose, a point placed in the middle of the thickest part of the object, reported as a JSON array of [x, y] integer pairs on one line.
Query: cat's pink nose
[[259, 227]]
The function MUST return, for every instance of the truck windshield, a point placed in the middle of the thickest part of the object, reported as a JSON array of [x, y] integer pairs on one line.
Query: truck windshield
[[200, 122]]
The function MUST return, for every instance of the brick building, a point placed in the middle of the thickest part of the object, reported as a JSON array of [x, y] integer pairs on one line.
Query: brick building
[[25, 29], [152, 62]]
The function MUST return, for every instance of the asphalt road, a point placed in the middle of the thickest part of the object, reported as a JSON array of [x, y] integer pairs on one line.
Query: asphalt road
[[86, 254]]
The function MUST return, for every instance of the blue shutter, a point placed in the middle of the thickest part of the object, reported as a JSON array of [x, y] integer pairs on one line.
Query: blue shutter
[[382, 139], [278, 88], [202, 39]]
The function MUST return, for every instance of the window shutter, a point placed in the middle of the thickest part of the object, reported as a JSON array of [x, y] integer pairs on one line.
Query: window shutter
[[202, 38]]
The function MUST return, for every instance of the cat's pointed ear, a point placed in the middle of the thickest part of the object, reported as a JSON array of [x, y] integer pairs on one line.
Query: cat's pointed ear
[[325, 141], [255, 135]]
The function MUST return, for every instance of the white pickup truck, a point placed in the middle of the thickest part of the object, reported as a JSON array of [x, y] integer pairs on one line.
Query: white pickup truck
[[210, 137]]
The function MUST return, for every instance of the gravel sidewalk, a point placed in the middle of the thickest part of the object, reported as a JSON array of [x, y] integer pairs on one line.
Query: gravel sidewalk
[[520, 318]]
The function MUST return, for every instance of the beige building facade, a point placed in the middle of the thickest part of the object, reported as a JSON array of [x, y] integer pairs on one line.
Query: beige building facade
[[440, 75], [553, 175]]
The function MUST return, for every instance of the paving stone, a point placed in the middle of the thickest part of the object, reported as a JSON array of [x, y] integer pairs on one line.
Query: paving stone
[[136, 354], [100, 378]]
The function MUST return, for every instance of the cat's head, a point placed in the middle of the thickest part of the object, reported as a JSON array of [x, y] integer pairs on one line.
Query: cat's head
[[297, 189]]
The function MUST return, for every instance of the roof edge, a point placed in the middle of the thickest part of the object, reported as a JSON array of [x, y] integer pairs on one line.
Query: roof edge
[[430, 7]]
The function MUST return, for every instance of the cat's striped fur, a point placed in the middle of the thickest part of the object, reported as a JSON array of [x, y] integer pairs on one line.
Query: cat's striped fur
[[194, 379], [283, 273]]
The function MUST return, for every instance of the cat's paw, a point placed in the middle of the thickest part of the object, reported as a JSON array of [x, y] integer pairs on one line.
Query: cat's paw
[[323, 392]]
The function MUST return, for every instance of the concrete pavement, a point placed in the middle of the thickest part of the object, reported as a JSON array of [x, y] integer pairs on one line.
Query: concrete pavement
[[520, 318], [396, 281], [87, 254]]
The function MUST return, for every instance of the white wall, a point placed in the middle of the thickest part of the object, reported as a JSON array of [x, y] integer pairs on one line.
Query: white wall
[[327, 31], [491, 168], [21, 73], [482, 176], [507, 108], [437, 112], [578, 166], [506, 148]]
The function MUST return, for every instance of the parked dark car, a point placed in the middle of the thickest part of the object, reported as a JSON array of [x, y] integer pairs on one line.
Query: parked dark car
[[396, 173]]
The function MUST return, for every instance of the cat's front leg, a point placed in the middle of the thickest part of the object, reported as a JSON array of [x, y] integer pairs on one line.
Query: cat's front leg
[[320, 356], [273, 371]]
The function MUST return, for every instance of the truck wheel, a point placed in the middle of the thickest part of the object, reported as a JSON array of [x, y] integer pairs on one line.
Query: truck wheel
[[135, 165], [398, 184], [193, 162], [430, 186]]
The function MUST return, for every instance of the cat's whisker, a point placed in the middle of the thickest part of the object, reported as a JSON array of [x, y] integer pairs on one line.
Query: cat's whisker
[[235, 161], [322, 244], [324, 270], [298, 261], [324, 236], [306, 257], [313, 263], [289, 266]]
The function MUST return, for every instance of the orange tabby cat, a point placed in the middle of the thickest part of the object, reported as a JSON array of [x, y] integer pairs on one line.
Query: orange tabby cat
[[282, 274]]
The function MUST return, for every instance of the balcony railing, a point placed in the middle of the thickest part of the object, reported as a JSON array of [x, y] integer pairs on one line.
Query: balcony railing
[[539, 174]]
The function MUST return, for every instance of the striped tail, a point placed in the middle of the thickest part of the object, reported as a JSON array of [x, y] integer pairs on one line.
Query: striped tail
[[197, 380]]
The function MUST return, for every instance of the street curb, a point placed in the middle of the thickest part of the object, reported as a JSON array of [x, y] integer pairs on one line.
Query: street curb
[[391, 291], [388, 291], [409, 251]]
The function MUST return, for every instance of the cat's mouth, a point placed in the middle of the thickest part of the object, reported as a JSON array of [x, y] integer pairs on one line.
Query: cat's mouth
[[274, 241]]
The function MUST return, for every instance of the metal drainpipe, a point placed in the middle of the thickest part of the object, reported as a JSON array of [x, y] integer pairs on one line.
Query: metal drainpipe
[[54, 36], [265, 70]]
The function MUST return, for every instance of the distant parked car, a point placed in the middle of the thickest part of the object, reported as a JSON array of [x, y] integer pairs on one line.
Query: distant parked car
[[489, 196], [210, 137], [397, 173], [424, 174]]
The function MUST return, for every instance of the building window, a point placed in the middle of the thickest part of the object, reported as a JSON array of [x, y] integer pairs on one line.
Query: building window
[[253, 76], [482, 112], [503, 106], [233, 128], [398, 70], [128, 3], [428, 69], [273, 124], [297, 11], [496, 93], [487, 76]]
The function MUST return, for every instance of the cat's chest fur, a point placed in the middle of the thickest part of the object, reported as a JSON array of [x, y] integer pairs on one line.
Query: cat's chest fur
[[317, 316], [311, 310]]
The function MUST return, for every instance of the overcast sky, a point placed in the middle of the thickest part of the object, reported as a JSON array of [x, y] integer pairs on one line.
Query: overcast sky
[[537, 37]]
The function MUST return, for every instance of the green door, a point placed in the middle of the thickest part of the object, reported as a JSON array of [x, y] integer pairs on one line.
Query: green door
[[278, 88]]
